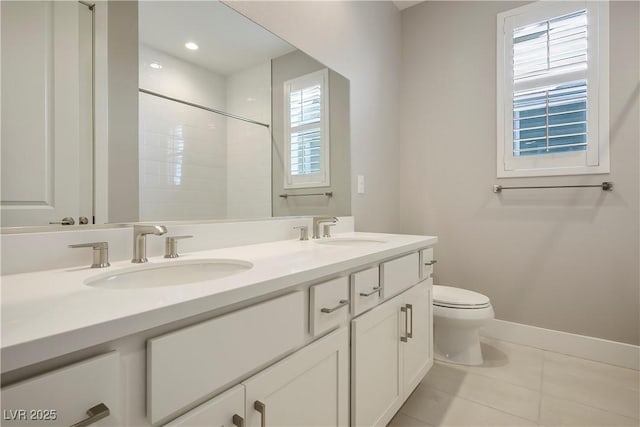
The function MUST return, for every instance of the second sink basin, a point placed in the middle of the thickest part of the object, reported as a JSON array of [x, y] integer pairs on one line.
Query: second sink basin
[[169, 274]]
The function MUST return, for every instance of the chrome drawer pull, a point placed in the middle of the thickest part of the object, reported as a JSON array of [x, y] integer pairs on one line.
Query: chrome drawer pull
[[406, 324], [343, 302], [237, 420], [410, 331], [262, 408], [375, 290], [433, 261], [96, 413]]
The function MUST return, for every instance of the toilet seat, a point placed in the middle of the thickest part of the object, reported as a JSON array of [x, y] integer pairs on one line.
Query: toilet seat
[[450, 297]]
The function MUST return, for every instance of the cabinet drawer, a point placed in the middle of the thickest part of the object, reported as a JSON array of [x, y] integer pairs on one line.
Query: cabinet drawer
[[365, 290], [328, 305], [399, 274], [188, 365], [62, 397], [427, 263], [220, 411]]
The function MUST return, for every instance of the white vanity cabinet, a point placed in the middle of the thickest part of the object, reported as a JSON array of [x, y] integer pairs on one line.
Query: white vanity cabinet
[[64, 396], [391, 351], [343, 348]]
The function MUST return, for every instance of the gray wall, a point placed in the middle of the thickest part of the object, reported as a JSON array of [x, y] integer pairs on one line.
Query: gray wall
[[287, 67], [360, 40], [559, 259]]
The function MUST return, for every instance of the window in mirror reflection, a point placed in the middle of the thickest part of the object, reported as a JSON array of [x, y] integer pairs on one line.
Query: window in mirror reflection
[[306, 131]]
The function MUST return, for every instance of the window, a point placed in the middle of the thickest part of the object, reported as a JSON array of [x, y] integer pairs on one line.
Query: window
[[553, 89], [307, 131]]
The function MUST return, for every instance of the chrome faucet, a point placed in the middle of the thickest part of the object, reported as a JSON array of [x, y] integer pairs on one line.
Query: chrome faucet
[[320, 220], [140, 242]]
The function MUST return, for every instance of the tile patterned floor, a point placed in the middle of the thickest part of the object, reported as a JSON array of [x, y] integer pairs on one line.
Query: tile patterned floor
[[524, 386]]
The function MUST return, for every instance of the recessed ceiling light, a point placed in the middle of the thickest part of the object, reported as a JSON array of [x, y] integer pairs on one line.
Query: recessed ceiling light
[[191, 46], [155, 66]]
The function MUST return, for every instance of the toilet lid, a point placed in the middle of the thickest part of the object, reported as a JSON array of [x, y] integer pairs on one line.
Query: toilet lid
[[448, 296]]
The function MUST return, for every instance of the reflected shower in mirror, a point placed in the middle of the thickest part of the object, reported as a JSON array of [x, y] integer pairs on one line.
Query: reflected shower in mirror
[[210, 161], [211, 107]]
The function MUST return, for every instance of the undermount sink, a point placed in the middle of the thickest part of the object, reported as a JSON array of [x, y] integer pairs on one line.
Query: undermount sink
[[349, 241], [169, 274]]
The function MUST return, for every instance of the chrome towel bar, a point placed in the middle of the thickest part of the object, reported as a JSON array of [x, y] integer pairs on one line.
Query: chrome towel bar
[[328, 194], [605, 186]]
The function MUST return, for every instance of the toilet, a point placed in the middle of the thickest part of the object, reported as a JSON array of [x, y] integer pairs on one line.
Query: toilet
[[458, 315]]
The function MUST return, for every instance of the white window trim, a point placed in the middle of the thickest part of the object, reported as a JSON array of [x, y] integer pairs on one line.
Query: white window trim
[[322, 179], [595, 160]]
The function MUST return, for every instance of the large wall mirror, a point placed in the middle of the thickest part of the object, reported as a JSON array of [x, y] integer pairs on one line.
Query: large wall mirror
[[233, 122]]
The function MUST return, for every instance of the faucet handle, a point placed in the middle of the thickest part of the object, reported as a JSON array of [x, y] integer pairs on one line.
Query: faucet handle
[[304, 231], [326, 229], [100, 253], [171, 246]]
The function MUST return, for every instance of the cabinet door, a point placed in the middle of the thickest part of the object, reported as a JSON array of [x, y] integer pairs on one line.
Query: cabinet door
[[308, 388], [418, 349], [376, 364], [224, 410]]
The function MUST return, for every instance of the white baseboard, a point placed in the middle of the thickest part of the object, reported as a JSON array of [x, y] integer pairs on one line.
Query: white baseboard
[[596, 349]]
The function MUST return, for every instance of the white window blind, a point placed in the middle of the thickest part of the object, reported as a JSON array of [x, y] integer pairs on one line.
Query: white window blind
[[551, 47], [553, 89], [306, 131], [551, 117], [305, 111]]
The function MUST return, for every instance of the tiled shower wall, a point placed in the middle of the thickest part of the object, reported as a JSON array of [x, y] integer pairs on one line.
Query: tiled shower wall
[[196, 164]]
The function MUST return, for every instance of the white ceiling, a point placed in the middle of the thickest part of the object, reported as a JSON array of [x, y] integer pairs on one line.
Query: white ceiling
[[403, 4], [227, 41]]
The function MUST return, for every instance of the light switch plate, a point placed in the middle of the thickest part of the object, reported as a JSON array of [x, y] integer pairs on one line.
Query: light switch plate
[[360, 184]]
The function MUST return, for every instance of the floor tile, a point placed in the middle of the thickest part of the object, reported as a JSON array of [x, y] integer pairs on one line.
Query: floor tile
[[516, 364], [402, 420], [602, 386], [498, 394], [555, 412], [441, 409]]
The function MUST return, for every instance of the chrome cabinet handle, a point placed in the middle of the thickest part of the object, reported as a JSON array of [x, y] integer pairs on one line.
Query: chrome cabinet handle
[[95, 413], [262, 408], [433, 261], [375, 290], [237, 420], [343, 302], [406, 324], [171, 246], [100, 253], [67, 220], [410, 331]]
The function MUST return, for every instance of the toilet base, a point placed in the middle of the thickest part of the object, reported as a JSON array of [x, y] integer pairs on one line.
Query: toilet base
[[460, 346]]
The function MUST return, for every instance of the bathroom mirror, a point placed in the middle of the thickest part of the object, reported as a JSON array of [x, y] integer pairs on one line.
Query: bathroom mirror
[[228, 130]]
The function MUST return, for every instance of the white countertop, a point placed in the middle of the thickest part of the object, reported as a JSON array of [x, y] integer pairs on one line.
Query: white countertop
[[46, 314]]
